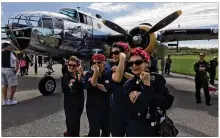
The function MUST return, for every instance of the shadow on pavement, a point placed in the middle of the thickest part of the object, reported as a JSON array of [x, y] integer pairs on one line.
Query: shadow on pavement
[[186, 100], [31, 110], [183, 77], [194, 132]]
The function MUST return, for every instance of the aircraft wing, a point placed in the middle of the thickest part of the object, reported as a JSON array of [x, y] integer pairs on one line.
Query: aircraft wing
[[187, 34], [111, 38]]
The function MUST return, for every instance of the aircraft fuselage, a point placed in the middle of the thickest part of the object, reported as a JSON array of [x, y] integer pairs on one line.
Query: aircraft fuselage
[[56, 34]]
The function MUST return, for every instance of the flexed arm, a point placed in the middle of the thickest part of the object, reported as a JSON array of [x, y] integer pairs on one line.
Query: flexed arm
[[94, 78], [117, 76], [128, 76]]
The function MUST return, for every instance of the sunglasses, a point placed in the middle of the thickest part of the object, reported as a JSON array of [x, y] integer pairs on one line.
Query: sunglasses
[[72, 65], [96, 63], [115, 52], [137, 62]]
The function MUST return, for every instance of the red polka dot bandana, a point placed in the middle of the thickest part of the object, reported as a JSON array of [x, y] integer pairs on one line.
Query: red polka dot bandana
[[122, 45], [99, 57], [140, 52]]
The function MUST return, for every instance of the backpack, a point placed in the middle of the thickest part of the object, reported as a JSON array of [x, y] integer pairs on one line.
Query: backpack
[[165, 126], [22, 63]]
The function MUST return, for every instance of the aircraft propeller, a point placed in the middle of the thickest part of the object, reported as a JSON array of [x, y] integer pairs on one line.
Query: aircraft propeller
[[164, 22], [137, 40], [115, 27]]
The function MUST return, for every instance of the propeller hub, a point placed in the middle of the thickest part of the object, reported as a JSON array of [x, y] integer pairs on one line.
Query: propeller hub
[[137, 40]]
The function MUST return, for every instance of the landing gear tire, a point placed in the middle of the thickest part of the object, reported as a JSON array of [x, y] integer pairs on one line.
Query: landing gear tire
[[47, 85]]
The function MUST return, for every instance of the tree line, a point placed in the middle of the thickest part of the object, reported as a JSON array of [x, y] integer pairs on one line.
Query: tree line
[[192, 51]]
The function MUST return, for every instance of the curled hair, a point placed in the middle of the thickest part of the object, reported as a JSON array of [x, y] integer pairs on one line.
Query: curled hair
[[99, 57], [124, 47], [73, 58], [140, 52]]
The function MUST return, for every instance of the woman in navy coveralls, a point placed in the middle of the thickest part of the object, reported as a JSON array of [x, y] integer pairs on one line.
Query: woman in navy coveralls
[[72, 87], [143, 96]]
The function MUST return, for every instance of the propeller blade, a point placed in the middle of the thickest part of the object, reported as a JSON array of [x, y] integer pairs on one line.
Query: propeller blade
[[166, 21], [115, 27]]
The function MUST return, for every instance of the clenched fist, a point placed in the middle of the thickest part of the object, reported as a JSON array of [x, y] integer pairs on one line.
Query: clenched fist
[[134, 95], [145, 77], [122, 55], [80, 70], [95, 68]]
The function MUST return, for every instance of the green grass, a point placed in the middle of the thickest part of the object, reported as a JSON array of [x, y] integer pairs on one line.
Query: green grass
[[184, 64]]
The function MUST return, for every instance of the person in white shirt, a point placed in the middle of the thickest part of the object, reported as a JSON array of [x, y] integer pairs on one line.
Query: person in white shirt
[[9, 77]]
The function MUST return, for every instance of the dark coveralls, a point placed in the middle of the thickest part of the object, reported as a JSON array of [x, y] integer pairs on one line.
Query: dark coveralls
[[168, 65], [40, 61], [27, 64], [144, 111], [119, 113], [98, 107], [73, 103], [64, 66], [212, 70], [201, 80]]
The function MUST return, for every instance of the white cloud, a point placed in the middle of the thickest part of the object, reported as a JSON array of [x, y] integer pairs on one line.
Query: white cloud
[[109, 7], [193, 15]]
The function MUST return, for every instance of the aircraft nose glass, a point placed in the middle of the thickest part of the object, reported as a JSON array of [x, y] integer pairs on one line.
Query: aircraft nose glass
[[18, 30]]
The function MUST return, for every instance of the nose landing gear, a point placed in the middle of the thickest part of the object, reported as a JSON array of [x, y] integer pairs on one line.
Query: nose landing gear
[[47, 84]]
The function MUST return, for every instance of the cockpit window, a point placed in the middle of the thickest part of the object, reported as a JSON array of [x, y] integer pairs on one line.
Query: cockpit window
[[58, 23], [85, 19], [70, 12], [47, 23]]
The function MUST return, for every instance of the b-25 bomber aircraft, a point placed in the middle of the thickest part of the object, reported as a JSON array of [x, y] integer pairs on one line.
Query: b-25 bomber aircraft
[[73, 32]]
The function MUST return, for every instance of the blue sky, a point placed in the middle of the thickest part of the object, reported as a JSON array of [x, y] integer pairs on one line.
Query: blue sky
[[128, 15]]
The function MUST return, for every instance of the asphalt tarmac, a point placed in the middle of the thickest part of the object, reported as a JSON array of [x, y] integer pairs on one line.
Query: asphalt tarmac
[[43, 116]]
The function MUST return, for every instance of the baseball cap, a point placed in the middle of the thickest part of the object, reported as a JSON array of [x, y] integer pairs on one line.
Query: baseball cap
[[202, 54]]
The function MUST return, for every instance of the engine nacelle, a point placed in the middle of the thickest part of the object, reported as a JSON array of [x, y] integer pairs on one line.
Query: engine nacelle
[[148, 44], [160, 50]]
